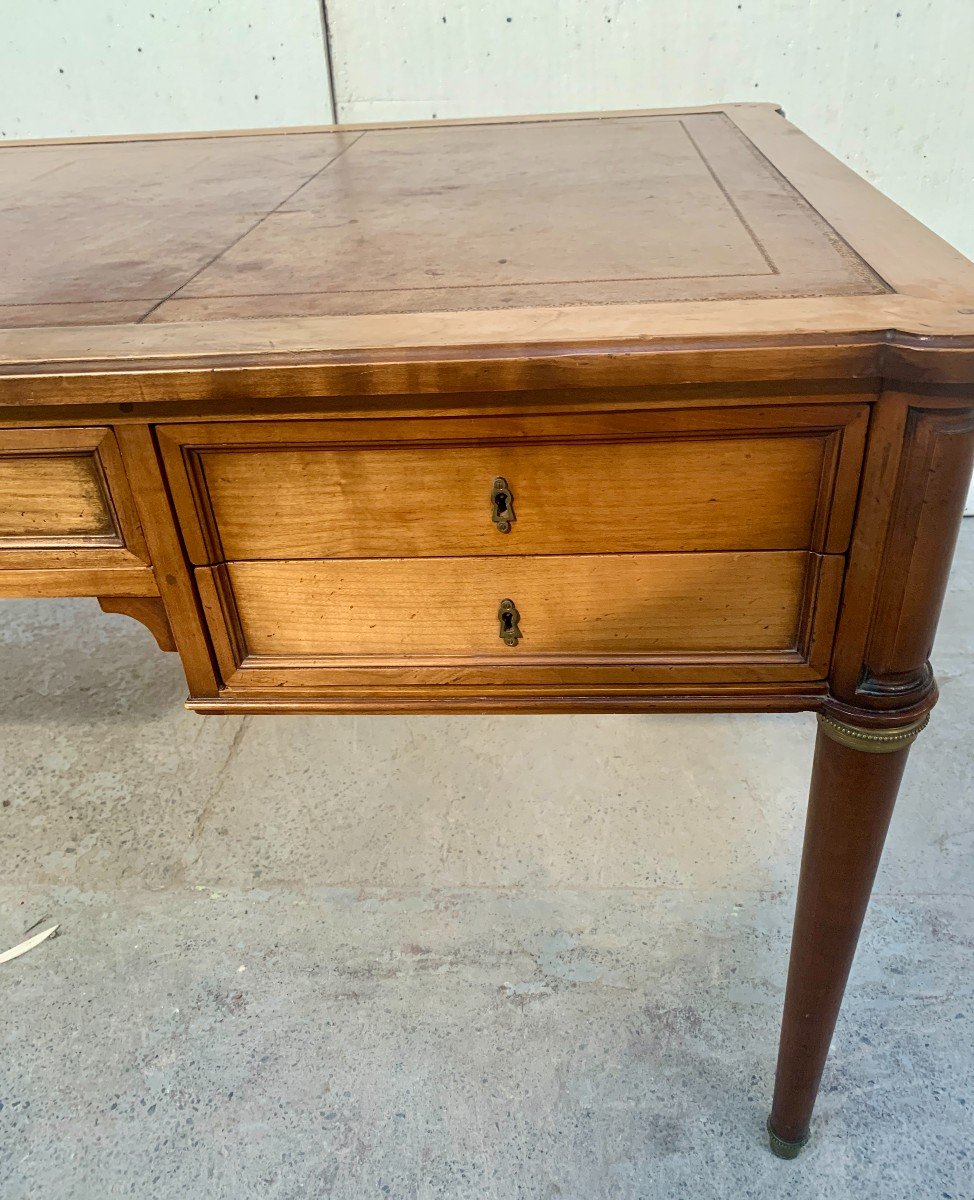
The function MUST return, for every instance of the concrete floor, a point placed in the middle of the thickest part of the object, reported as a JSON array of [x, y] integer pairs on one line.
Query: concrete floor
[[449, 957]]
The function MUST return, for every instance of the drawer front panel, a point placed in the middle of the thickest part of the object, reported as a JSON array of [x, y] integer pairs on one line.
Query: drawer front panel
[[593, 604], [621, 483], [748, 616], [566, 499], [65, 502], [51, 498]]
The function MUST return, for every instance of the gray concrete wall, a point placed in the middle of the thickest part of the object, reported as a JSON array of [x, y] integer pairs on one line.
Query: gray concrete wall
[[80, 67]]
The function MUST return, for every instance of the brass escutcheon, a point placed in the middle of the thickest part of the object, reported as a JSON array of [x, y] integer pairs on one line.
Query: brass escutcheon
[[502, 505], [508, 616]]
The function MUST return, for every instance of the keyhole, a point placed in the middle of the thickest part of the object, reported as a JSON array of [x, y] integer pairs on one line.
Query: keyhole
[[502, 504], [507, 622]]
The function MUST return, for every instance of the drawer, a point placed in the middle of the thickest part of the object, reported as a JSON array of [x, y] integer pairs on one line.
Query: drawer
[[65, 501], [666, 481], [751, 615]]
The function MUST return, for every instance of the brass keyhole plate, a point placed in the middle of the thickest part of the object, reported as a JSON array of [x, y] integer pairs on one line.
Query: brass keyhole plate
[[502, 505], [509, 618]]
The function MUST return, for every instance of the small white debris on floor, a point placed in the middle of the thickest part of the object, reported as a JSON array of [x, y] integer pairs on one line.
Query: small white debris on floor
[[17, 951]]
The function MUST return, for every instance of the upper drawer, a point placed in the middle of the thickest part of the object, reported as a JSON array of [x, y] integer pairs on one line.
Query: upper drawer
[[65, 501], [737, 479]]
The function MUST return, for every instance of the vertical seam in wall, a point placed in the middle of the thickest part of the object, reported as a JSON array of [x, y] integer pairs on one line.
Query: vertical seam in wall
[[329, 65]]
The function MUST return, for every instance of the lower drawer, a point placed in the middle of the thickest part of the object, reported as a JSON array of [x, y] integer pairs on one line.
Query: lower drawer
[[763, 615]]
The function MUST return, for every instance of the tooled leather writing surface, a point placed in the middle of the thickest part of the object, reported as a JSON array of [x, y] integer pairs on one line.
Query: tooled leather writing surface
[[577, 212]]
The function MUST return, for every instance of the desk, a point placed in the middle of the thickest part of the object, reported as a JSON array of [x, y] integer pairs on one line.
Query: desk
[[635, 412]]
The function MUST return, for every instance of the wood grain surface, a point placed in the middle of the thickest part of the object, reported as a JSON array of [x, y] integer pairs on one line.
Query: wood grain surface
[[46, 582], [44, 496], [762, 493], [579, 605]]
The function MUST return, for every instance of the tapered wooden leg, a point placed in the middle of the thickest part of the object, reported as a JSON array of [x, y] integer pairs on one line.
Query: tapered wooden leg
[[855, 779]]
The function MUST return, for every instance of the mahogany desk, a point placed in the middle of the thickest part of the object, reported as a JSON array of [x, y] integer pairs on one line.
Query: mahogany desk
[[632, 412]]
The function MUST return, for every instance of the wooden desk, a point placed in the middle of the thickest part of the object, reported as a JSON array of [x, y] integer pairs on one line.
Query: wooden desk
[[606, 413]]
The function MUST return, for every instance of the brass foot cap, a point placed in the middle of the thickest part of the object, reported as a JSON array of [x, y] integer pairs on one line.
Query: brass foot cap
[[782, 1148]]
